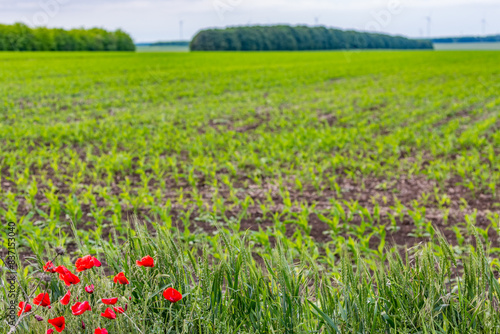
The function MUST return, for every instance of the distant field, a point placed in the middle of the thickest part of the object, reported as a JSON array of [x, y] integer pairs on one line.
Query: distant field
[[437, 46], [142, 48], [467, 46]]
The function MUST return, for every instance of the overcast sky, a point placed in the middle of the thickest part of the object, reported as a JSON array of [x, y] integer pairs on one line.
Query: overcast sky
[[153, 20]]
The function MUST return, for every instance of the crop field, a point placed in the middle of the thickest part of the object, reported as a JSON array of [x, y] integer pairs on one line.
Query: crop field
[[467, 46], [324, 146], [320, 153], [162, 48]]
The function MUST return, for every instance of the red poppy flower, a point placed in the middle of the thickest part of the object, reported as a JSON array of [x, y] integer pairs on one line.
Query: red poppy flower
[[42, 299], [89, 289], [70, 279], [49, 266], [67, 276], [26, 308], [87, 262], [172, 295], [108, 313], [50, 331], [119, 310], [80, 308], [61, 270], [146, 261], [120, 278], [109, 301], [58, 323], [101, 331], [65, 300]]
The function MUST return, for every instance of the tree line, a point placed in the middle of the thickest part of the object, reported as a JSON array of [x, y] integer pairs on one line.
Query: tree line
[[20, 37], [172, 43], [282, 37], [468, 39]]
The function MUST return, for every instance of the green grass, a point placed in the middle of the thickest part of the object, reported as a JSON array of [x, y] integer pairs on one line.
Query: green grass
[[228, 287], [333, 154]]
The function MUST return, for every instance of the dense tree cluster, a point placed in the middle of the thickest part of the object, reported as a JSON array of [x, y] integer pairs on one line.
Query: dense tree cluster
[[257, 38], [468, 39], [20, 37]]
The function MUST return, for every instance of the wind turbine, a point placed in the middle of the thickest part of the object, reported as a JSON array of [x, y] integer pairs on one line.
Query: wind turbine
[[429, 22], [316, 20]]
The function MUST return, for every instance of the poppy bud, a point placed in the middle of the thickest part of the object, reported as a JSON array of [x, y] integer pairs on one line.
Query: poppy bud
[[90, 288], [126, 306], [130, 298], [49, 307], [38, 318], [83, 325]]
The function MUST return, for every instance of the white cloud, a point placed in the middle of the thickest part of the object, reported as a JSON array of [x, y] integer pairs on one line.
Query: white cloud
[[149, 20]]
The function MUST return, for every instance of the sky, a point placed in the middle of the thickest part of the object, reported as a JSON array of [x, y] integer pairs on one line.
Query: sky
[[154, 20]]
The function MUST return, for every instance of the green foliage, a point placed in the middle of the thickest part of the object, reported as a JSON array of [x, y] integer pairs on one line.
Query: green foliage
[[302, 161], [229, 287], [315, 146], [280, 38], [19, 37]]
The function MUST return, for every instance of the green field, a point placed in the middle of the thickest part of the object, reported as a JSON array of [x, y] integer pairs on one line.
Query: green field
[[297, 157]]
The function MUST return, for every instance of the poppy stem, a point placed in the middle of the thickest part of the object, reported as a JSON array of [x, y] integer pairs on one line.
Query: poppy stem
[[133, 323], [23, 315]]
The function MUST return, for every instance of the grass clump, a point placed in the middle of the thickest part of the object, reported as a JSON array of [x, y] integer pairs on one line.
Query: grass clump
[[228, 286]]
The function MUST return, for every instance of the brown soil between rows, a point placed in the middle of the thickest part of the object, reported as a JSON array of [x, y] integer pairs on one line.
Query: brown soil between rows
[[406, 190]]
